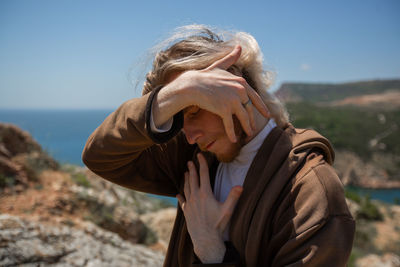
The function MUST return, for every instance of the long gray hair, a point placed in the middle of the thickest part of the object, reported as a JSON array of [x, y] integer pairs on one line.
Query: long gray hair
[[196, 47]]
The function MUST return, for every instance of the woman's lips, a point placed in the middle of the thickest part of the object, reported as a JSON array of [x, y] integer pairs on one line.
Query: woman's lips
[[209, 145]]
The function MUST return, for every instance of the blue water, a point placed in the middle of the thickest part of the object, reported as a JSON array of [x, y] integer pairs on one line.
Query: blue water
[[386, 195], [63, 133]]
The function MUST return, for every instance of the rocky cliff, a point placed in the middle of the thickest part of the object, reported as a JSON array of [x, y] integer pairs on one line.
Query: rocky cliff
[[67, 216], [361, 119], [33, 243]]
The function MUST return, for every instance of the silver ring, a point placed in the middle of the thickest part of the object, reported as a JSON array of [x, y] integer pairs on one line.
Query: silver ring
[[248, 102]]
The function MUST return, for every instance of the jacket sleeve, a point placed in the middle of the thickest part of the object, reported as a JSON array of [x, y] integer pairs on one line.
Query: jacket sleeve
[[318, 229], [122, 151]]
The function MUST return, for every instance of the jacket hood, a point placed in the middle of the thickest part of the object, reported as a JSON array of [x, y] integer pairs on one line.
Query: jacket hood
[[275, 167], [303, 140]]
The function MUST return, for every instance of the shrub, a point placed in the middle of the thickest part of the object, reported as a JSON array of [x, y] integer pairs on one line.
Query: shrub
[[6, 181], [355, 254], [350, 128], [80, 179], [368, 210], [353, 195], [364, 236], [149, 236]]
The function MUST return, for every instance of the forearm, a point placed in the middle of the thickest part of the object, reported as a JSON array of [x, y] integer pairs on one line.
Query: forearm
[[122, 133], [170, 100], [127, 131], [121, 151]]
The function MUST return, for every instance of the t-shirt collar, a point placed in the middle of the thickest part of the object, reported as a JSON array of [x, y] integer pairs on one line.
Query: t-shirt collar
[[249, 150]]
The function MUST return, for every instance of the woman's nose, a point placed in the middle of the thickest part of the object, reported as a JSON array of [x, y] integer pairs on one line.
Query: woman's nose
[[192, 132]]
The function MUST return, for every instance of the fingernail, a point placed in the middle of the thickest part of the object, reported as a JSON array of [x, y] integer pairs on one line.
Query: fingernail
[[238, 190]]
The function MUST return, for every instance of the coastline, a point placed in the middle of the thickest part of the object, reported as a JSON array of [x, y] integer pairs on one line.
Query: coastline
[[63, 133]]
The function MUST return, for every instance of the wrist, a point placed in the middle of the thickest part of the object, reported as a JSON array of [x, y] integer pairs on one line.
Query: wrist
[[211, 252], [184, 88], [166, 104]]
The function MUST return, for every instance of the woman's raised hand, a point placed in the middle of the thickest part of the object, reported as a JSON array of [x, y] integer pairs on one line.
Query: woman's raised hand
[[225, 94], [215, 90]]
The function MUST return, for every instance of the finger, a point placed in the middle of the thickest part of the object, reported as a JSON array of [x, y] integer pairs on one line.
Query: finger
[[186, 187], [244, 118], [250, 112], [229, 129], [204, 174], [181, 201], [257, 101], [193, 178], [232, 199], [228, 60], [229, 206]]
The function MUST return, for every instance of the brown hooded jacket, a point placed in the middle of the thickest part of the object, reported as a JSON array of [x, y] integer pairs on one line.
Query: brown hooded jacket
[[292, 211]]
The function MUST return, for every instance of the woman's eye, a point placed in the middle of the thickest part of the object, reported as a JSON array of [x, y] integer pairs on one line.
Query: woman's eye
[[193, 111]]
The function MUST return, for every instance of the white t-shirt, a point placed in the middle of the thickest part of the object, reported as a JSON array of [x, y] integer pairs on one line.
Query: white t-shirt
[[234, 173]]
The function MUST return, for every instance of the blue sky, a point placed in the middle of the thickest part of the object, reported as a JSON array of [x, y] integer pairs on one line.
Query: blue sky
[[80, 54]]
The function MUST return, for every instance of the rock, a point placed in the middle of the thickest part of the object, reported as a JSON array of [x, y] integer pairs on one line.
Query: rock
[[352, 170], [161, 222], [16, 141], [29, 243], [21, 157], [388, 231], [115, 208], [119, 219], [11, 173], [68, 217], [373, 260], [127, 224], [111, 194], [353, 207]]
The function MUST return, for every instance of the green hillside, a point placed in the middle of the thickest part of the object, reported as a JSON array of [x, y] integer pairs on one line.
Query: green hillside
[[351, 128], [320, 92]]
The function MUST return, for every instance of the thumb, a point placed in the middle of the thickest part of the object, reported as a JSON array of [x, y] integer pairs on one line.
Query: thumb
[[229, 205], [228, 60], [181, 201], [233, 197]]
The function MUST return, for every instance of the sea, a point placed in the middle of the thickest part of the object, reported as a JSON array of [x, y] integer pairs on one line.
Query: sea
[[63, 134]]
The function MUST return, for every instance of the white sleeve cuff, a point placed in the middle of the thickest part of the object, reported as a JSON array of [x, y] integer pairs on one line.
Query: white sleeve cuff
[[163, 128]]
